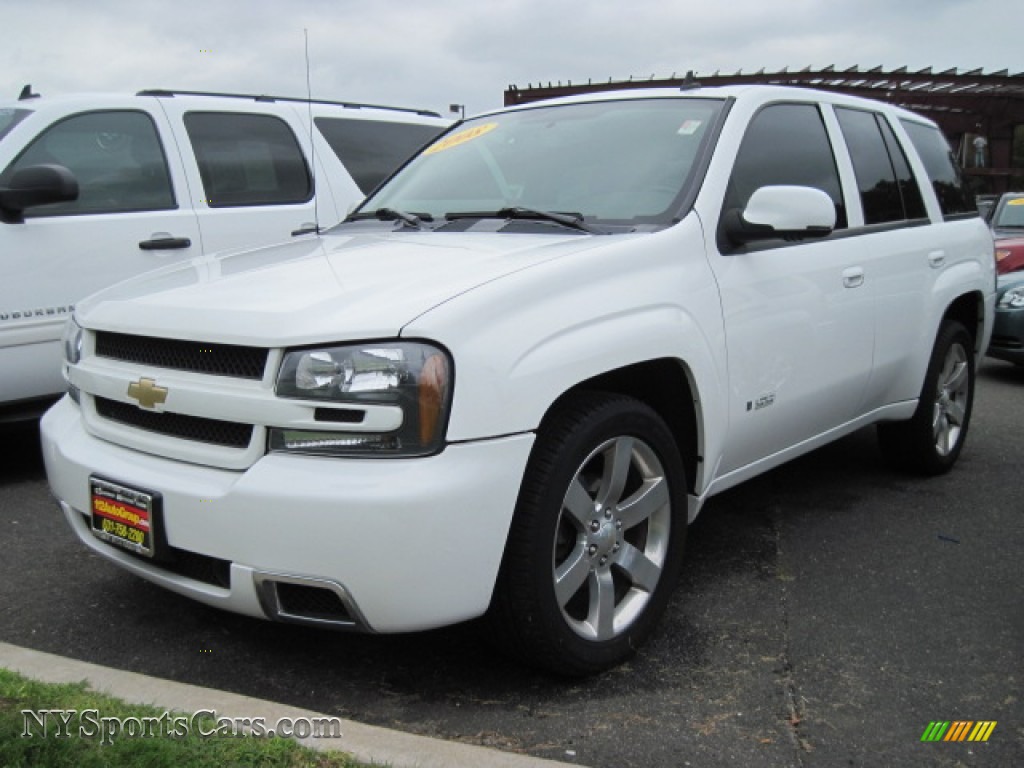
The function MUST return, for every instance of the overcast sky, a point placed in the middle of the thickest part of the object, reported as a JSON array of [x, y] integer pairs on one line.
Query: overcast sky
[[431, 53]]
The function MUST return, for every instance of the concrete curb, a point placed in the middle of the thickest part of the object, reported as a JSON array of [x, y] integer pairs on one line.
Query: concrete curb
[[365, 742]]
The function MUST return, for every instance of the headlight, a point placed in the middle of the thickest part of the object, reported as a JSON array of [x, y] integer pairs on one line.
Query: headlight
[[1013, 298], [414, 377], [71, 341]]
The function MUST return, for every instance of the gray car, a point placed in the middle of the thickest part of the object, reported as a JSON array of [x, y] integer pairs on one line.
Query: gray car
[[1008, 332]]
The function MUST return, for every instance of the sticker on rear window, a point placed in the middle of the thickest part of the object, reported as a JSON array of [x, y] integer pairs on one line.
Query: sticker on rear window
[[689, 127], [1016, 201], [461, 137]]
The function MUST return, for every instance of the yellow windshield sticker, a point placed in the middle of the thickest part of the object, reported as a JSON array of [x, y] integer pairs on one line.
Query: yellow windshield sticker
[[461, 137], [1016, 201]]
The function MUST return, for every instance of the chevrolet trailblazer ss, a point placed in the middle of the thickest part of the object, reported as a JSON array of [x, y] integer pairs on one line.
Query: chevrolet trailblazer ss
[[506, 384]]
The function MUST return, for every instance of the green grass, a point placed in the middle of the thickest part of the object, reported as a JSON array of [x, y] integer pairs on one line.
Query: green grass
[[18, 693]]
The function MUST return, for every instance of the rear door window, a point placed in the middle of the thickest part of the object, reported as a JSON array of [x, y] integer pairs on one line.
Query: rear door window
[[888, 191], [372, 149], [954, 198], [248, 159], [116, 157]]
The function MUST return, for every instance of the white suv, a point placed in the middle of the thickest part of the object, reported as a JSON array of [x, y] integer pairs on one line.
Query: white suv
[[508, 382], [98, 188]]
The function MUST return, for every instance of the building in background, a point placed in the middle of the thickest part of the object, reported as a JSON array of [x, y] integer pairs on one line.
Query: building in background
[[981, 114]]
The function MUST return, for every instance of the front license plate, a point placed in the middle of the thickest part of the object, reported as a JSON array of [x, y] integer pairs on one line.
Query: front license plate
[[124, 516]]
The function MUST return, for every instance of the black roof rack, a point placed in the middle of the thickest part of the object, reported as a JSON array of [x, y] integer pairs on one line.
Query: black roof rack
[[265, 98]]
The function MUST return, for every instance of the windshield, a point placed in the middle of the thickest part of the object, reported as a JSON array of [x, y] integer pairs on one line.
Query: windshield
[[1010, 214], [10, 118], [619, 162]]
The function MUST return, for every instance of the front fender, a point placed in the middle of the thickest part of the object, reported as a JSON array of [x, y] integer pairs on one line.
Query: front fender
[[522, 341]]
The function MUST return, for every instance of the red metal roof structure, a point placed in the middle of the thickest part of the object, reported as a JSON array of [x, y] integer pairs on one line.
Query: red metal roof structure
[[966, 104]]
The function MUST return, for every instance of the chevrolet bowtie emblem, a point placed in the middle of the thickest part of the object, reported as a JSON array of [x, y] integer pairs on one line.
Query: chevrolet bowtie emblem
[[147, 393]]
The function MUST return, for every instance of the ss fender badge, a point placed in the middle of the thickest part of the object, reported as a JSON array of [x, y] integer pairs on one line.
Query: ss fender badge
[[147, 393], [762, 402]]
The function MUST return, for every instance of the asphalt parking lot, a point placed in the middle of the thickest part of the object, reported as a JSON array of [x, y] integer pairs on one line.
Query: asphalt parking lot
[[828, 612]]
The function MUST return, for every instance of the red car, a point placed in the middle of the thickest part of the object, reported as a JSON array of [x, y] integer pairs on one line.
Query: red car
[[1007, 222], [1009, 254]]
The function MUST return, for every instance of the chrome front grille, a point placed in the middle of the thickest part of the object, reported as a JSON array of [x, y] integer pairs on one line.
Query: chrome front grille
[[194, 356], [213, 431]]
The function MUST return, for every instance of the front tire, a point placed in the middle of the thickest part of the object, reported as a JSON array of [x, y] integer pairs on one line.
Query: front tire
[[931, 441], [597, 537]]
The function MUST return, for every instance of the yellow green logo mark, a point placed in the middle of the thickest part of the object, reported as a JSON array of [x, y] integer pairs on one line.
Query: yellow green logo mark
[[958, 730]]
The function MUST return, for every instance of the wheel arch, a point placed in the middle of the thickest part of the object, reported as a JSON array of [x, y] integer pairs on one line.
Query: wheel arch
[[667, 386], [969, 310]]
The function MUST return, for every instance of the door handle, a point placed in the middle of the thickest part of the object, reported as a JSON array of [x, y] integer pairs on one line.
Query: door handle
[[936, 259], [853, 277], [306, 229], [163, 243]]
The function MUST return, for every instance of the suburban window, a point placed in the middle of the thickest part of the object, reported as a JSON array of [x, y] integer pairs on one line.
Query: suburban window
[[785, 144], [888, 191], [949, 186], [116, 157], [371, 149], [247, 159]]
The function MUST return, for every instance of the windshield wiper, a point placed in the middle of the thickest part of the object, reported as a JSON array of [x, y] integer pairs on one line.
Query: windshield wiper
[[393, 214], [571, 220]]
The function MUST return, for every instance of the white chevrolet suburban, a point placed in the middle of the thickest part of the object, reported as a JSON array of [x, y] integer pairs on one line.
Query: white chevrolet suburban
[[98, 188], [507, 382]]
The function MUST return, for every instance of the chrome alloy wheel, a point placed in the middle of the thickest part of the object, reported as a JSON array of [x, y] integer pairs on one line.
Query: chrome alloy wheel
[[612, 538], [951, 395]]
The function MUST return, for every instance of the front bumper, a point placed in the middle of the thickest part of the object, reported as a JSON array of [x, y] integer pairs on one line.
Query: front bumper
[[1008, 336], [407, 544]]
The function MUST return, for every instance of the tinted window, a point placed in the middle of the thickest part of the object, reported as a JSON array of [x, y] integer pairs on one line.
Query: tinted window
[[913, 203], [372, 149], [876, 180], [247, 159], [888, 191], [116, 157], [941, 168], [785, 144]]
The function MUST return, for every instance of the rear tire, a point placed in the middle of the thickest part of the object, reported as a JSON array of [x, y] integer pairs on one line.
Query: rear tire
[[597, 538], [931, 441]]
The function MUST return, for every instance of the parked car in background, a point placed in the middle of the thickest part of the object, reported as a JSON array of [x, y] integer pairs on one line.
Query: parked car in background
[[1007, 222], [506, 384], [98, 188], [986, 203], [1008, 330]]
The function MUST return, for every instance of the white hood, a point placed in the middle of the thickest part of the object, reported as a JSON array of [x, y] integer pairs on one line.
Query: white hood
[[334, 288]]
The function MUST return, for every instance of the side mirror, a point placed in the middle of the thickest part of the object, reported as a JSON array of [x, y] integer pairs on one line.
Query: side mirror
[[36, 185], [786, 212]]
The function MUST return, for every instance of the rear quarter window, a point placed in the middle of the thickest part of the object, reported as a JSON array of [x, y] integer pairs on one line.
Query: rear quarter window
[[372, 149], [954, 199]]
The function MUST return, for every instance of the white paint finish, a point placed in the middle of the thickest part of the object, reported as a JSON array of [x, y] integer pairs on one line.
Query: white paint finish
[[819, 337], [398, 535], [48, 264]]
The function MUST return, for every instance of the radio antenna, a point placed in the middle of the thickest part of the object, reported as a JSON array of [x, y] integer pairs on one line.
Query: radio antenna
[[312, 150]]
